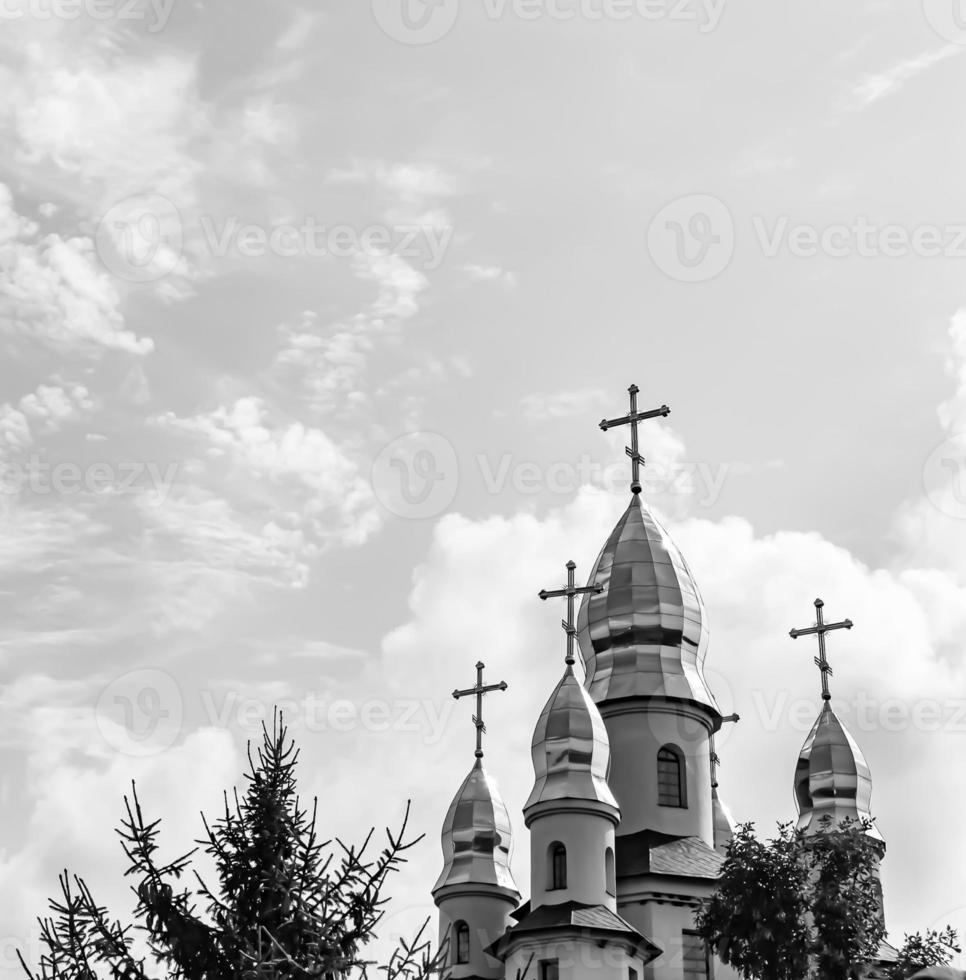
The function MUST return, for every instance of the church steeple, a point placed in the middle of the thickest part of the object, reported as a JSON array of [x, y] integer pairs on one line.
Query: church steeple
[[643, 639], [475, 892], [571, 811], [832, 777]]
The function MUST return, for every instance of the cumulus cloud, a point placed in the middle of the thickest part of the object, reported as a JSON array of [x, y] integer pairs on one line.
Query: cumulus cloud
[[55, 293]]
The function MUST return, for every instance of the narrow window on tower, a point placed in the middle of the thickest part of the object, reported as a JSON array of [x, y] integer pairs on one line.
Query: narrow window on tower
[[558, 867], [462, 931], [610, 876], [549, 970], [697, 963], [670, 777]]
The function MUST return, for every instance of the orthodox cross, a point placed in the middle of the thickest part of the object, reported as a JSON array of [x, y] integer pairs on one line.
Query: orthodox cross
[[571, 592], [632, 418], [715, 761], [479, 690], [820, 629]]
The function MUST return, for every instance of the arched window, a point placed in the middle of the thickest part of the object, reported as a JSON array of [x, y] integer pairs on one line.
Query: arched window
[[670, 777], [557, 862], [610, 876], [462, 937]]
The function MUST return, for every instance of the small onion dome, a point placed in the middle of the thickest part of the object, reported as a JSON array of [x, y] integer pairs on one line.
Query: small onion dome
[[477, 837], [832, 776], [646, 633], [571, 751], [722, 823]]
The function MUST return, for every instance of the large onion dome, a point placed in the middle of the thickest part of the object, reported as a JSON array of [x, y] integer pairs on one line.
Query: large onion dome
[[571, 750], [645, 634], [832, 776], [477, 838]]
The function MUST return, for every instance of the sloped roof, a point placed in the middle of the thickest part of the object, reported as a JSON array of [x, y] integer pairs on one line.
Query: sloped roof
[[651, 852], [576, 915]]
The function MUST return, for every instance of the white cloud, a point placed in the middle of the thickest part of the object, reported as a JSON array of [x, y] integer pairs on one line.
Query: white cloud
[[55, 293], [874, 87]]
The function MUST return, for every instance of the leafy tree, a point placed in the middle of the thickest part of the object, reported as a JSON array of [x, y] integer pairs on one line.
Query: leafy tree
[[797, 906], [286, 904], [919, 951]]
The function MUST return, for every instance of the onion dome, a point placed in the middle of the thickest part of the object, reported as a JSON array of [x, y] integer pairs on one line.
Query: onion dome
[[477, 837], [832, 776], [571, 750], [645, 634]]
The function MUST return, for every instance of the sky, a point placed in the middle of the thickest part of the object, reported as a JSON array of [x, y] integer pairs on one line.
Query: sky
[[309, 313]]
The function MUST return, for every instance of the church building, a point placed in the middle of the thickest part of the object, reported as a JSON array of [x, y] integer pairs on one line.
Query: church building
[[627, 830]]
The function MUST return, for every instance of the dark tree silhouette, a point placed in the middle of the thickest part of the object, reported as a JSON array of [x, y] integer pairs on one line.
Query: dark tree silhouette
[[286, 903], [799, 905], [919, 951]]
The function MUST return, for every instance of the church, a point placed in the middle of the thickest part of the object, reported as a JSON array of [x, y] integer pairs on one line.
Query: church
[[627, 829]]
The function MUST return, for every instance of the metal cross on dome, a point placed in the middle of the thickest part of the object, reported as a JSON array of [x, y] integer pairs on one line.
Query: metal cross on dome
[[820, 629], [570, 591], [479, 690], [632, 419]]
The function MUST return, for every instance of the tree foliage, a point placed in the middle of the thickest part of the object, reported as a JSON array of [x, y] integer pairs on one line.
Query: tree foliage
[[919, 951], [286, 904], [797, 906]]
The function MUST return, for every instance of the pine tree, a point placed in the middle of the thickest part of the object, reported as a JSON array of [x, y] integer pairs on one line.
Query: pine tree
[[286, 903]]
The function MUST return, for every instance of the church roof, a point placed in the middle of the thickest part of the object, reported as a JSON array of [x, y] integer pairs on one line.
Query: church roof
[[576, 915], [570, 749], [832, 776], [646, 632], [651, 852], [477, 837]]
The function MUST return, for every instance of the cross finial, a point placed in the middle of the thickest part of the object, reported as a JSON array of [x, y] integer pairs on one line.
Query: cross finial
[[820, 629], [632, 419], [715, 761], [571, 592], [479, 690]]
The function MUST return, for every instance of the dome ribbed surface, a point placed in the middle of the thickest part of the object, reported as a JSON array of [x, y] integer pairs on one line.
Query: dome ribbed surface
[[477, 837], [646, 633], [570, 748], [832, 776]]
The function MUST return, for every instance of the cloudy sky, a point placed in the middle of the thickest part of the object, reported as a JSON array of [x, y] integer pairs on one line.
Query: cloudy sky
[[308, 314]]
